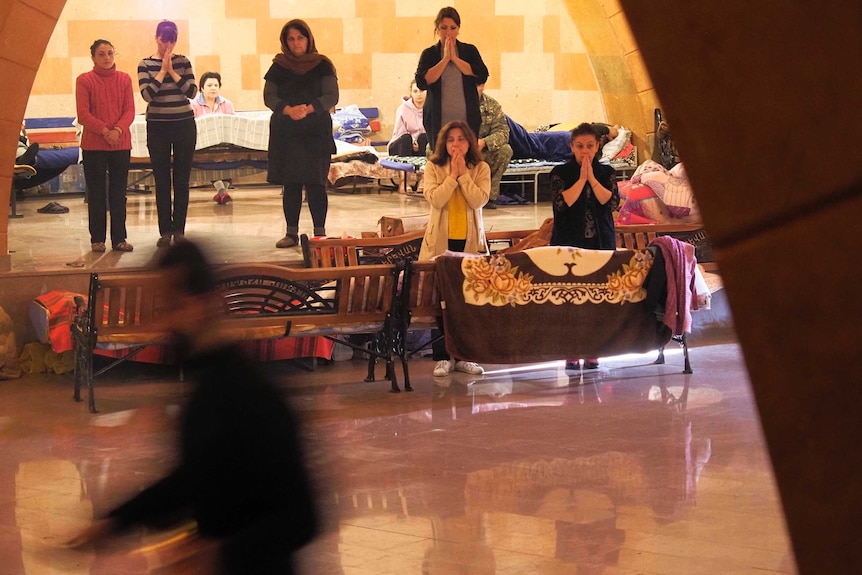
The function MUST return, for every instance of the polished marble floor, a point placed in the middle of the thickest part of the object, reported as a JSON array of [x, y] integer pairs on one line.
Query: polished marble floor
[[245, 229], [631, 469]]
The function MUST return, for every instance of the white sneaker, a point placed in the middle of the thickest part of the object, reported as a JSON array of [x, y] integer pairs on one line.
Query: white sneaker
[[443, 367], [470, 367]]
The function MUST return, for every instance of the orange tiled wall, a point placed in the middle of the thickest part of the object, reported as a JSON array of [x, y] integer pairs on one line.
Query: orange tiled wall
[[553, 61], [541, 68]]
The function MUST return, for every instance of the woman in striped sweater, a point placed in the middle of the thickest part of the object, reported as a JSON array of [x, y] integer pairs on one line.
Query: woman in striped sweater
[[167, 82], [106, 109]]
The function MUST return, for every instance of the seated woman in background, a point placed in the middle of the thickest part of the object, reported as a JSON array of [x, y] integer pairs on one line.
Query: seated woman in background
[[208, 100], [408, 136]]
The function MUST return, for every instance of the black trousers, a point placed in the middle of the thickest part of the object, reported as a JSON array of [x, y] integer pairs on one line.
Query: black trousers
[[318, 205], [106, 174], [403, 146], [163, 140]]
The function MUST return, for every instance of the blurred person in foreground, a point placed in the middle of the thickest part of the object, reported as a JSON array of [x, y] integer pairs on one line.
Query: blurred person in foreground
[[241, 474]]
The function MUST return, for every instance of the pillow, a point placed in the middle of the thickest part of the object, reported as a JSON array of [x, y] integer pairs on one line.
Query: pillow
[[631, 216], [614, 147], [625, 152], [349, 124], [679, 198], [678, 171], [643, 206], [623, 188], [645, 168], [627, 158]]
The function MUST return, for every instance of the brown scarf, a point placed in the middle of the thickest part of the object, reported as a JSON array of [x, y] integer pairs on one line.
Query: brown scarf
[[304, 63]]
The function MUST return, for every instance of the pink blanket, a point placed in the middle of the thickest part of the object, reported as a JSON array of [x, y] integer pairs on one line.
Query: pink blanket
[[679, 264]]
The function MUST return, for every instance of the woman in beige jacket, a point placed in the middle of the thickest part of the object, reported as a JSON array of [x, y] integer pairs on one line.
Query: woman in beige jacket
[[457, 185]]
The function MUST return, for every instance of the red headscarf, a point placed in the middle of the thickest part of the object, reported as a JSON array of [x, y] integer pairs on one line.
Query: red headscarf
[[303, 63]]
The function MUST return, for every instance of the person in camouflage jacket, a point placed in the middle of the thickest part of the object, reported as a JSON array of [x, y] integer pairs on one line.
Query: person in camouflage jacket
[[493, 141]]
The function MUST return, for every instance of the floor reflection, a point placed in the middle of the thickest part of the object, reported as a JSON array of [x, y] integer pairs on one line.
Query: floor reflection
[[633, 468]]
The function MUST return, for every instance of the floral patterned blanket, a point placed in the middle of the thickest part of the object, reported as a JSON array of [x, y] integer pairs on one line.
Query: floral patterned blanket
[[548, 303]]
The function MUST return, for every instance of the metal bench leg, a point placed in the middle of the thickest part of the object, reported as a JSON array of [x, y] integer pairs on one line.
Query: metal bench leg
[[88, 373], [79, 372], [391, 376], [407, 386], [683, 341], [373, 346]]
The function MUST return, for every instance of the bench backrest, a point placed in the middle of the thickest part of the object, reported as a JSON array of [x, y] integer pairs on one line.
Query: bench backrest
[[499, 240], [261, 300], [341, 252], [127, 307], [266, 300], [639, 236]]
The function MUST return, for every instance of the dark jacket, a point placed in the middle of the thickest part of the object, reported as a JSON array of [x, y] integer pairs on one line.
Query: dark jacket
[[300, 150], [241, 474], [433, 110]]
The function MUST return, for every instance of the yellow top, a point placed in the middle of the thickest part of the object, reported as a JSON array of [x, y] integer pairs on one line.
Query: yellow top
[[457, 216]]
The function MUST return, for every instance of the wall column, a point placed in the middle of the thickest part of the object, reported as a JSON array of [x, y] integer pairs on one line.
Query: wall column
[[25, 29]]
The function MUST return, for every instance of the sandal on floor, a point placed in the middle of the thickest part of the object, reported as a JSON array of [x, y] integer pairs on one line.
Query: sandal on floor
[[53, 208], [288, 241], [122, 247], [98, 247]]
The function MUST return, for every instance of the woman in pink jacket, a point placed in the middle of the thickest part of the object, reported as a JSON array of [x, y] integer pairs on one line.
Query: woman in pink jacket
[[106, 108]]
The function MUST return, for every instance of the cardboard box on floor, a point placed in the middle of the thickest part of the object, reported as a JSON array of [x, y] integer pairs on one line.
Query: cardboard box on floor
[[398, 225]]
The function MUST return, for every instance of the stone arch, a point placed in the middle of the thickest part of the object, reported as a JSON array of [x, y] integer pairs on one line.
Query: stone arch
[[624, 83], [25, 29]]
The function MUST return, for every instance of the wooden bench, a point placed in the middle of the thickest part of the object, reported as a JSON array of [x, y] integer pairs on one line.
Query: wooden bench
[[418, 301], [417, 306], [428, 288], [639, 236], [340, 252], [262, 301], [20, 176]]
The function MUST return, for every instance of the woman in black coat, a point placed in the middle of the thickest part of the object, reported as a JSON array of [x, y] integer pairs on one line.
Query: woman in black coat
[[301, 88], [450, 70]]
